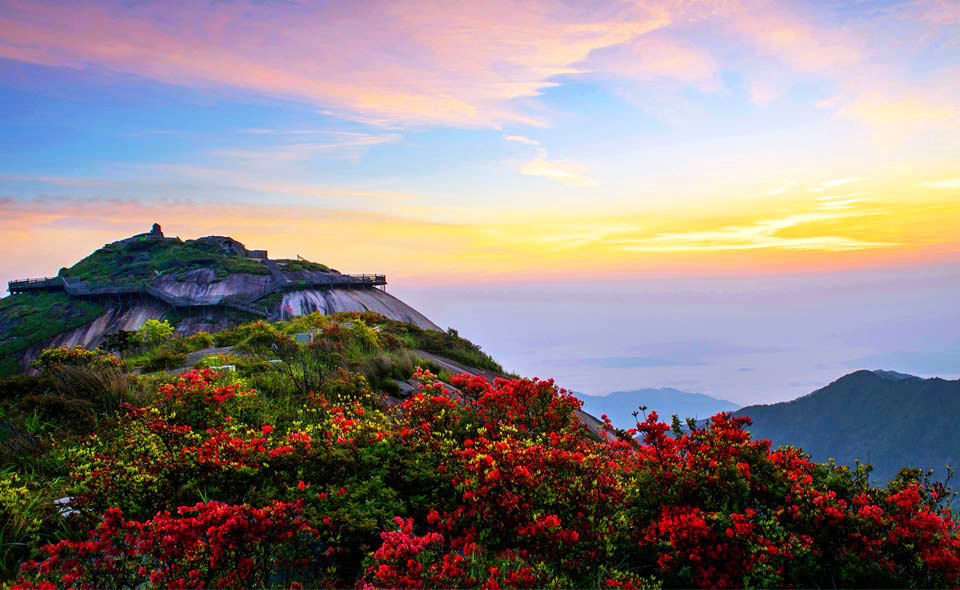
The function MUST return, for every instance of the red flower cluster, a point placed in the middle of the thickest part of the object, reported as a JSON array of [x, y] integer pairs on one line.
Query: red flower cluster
[[204, 546], [506, 488]]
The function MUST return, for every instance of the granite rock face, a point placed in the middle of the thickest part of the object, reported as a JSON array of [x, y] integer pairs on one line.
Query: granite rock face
[[328, 301], [203, 286], [294, 303], [207, 284]]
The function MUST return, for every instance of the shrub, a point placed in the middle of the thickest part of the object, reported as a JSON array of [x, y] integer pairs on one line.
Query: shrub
[[75, 356], [154, 332], [490, 485], [164, 358], [200, 340], [364, 336], [203, 546]]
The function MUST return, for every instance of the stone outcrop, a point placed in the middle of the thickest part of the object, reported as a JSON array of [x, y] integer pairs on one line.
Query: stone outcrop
[[204, 294], [294, 303]]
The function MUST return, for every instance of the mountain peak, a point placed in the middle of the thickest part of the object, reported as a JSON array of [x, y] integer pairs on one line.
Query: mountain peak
[[893, 375], [870, 376]]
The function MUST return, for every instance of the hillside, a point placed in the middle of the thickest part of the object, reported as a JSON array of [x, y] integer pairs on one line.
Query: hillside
[[620, 405], [207, 284], [314, 453], [887, 419]]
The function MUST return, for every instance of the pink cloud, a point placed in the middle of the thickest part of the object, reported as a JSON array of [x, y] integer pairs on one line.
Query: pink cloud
[[419, 62], [660, 56], [478, 63]]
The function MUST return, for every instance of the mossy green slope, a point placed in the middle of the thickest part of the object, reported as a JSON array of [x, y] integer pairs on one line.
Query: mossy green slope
[[144, 260], [30, 318]]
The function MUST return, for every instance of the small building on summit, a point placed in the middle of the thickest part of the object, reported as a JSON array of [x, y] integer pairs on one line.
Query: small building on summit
[[257, 254], [155, 233]]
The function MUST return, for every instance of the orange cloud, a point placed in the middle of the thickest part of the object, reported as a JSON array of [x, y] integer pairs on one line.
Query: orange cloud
[[518, 244]]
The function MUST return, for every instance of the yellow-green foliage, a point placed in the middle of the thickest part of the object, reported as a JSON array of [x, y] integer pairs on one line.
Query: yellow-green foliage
[[76, 356], [313, 321], [19, 524], [366, 337], [154, 332]]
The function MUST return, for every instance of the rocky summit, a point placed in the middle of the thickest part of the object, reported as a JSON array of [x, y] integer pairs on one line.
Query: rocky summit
[[205, 284]]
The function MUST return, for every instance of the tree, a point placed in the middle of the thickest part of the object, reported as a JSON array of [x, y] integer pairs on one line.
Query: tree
[[154, 332]]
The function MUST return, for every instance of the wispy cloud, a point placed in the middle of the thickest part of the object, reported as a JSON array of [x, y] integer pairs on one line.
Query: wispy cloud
[[768, 193], [348, 143], [377, 61], [386, 63], [760, 235], [949, 183], [521, 139], [565, 172], [264, 131], [840, 181], [562, 171]]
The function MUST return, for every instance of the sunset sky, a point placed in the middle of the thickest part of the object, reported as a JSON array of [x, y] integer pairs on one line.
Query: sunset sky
[[495, 149]]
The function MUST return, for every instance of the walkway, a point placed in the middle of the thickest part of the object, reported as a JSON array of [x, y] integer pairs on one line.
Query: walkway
[[241, 303]]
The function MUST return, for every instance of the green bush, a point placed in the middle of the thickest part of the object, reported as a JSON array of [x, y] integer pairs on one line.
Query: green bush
[[154, 332], [75, 356], [164, 358]]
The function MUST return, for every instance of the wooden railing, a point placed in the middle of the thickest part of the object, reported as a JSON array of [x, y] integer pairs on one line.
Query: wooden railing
[[34, 284]]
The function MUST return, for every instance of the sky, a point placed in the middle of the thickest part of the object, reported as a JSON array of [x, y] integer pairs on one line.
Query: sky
[[737, 198]]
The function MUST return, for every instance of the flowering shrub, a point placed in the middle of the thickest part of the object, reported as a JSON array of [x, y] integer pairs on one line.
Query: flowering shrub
[[204, 546], [76, 356], [476, 485]]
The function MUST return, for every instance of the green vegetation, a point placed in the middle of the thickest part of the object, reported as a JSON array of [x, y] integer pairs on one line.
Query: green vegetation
[[30, 318], [154, 332], [301, 473], [80, 392], [448, 344], [144, 260], [74, 394], [298, 265], [868, 416]]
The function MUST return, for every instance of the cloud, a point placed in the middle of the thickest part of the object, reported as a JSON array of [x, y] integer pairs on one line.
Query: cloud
[[840, 181], [349, 143], [411, 63], [285, 131], [769, 193], [658, 57], [949, 183], [187, 181], [479, 64], [630, 362], [562, 171], [894, 114], [521, 139], [776, 31], [763, 91], [759, 235]]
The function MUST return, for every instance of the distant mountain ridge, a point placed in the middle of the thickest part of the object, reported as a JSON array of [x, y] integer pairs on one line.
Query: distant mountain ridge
[[666, 401], [885, 418]]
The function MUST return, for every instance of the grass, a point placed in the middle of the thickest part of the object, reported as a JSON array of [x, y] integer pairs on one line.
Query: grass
[[29, 318], [141, 261], [297, 265]]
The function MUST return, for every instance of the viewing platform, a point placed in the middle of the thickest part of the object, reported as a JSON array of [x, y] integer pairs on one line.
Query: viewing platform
[[247, 303], [42, 284]]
